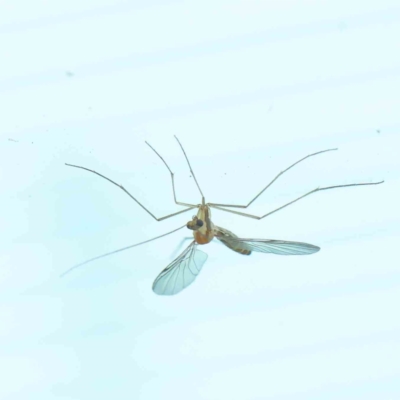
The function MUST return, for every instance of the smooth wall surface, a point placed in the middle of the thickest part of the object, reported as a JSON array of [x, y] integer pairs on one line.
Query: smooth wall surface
[[249, 87]]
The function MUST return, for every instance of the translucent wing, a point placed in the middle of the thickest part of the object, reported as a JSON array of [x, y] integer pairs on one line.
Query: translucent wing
[[181, 272], [246, 246]]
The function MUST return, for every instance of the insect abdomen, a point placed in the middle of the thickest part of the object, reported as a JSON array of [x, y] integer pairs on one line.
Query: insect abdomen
[[223, 235]]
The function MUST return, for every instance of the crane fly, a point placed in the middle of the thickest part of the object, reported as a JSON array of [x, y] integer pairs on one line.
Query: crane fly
[[182, 271]]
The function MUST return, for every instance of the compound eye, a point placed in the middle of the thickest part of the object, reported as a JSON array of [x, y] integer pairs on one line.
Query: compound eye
[[199, 222]]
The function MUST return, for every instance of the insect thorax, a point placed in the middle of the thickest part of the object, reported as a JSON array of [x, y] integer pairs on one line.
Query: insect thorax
[[201, 225]]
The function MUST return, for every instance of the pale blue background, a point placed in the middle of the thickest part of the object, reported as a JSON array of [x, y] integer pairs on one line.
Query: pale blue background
[[249, 87]]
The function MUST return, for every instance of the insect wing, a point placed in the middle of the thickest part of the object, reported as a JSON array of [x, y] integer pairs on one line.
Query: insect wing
[[181, 272], [281, 247]]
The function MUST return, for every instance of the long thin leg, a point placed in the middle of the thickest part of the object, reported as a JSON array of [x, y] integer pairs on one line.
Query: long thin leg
[[269, 184], [293, 201], [172, 176], [191, 170], [117, 251], [191, 206]]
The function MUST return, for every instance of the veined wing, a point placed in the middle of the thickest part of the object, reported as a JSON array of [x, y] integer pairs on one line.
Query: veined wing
[[181, 272], [281, 247]]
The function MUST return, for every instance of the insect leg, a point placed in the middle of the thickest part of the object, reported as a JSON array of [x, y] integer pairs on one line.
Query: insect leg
[[293, 201], [269, 184], [190, 206], [172, 176]]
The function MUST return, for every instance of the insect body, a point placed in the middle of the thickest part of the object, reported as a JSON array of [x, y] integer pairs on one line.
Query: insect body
[[181, 272], [201, 225], [185, 268]]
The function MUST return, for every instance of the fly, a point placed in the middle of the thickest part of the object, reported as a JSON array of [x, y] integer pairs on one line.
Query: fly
[[182, 271]]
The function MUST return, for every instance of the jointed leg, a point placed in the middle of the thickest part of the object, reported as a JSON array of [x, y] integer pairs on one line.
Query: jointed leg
[[172, 177], [190, 206], [119, 250], [190, 168], [293, 201], [269, 184]]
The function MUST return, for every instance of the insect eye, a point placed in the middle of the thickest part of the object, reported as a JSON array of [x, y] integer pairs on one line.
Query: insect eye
[[199, 222]]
